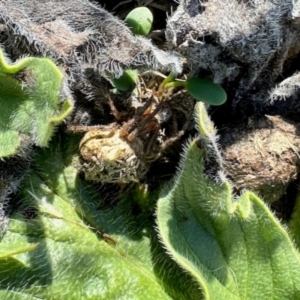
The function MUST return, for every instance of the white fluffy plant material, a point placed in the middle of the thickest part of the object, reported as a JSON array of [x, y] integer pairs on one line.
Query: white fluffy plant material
[[81, 35], [243, 44]]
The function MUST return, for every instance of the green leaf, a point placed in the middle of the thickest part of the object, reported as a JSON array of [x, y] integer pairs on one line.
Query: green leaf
[[234, 248], [30, 102], [56, 248], [11, 250], [126, 81], [294, 222], [205, 90], [140, 20]]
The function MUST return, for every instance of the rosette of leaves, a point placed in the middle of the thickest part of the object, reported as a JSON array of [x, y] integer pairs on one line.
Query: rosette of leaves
[[33, 100], [233, 248]]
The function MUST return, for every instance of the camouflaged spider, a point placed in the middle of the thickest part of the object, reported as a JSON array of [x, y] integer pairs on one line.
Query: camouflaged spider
[[123, 153], [120, 154]]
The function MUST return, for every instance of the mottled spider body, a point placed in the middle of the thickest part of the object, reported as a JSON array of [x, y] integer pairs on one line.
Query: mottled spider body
[[120, 154], [109, 157], [123, 151]]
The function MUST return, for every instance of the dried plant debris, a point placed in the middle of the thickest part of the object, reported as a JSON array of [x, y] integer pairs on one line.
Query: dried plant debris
[[262, 155], [81, 36], [243, 45]]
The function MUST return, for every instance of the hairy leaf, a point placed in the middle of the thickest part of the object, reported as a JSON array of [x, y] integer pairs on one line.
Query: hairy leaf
[[65, 242], [62, 29], [294, 222], [234, 248], [30, 102]]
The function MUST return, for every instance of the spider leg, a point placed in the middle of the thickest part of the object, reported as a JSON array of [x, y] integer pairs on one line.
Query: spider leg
[[141, 112], [86, 128], [179, 133], [143, 123], [132, 124], [113, 108], [152, 140]]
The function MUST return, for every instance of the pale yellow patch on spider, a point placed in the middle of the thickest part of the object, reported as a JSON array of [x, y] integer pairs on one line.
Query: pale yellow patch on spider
[[108, 157]]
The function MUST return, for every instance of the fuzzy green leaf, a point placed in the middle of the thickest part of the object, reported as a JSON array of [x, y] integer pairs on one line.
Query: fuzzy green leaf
[[205, 90], [294, 222], [140, 20], [30, 102], [234, 248], [54, 248]]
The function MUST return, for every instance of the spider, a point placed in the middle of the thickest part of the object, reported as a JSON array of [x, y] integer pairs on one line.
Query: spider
[[123, 153]]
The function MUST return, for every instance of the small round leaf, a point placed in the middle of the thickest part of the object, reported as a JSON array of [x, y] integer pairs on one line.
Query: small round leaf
[[205, 90], [140, 20], [127, 81]]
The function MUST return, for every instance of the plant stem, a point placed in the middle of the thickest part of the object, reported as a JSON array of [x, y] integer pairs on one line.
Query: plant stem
[[174, 84], [169, 78]]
